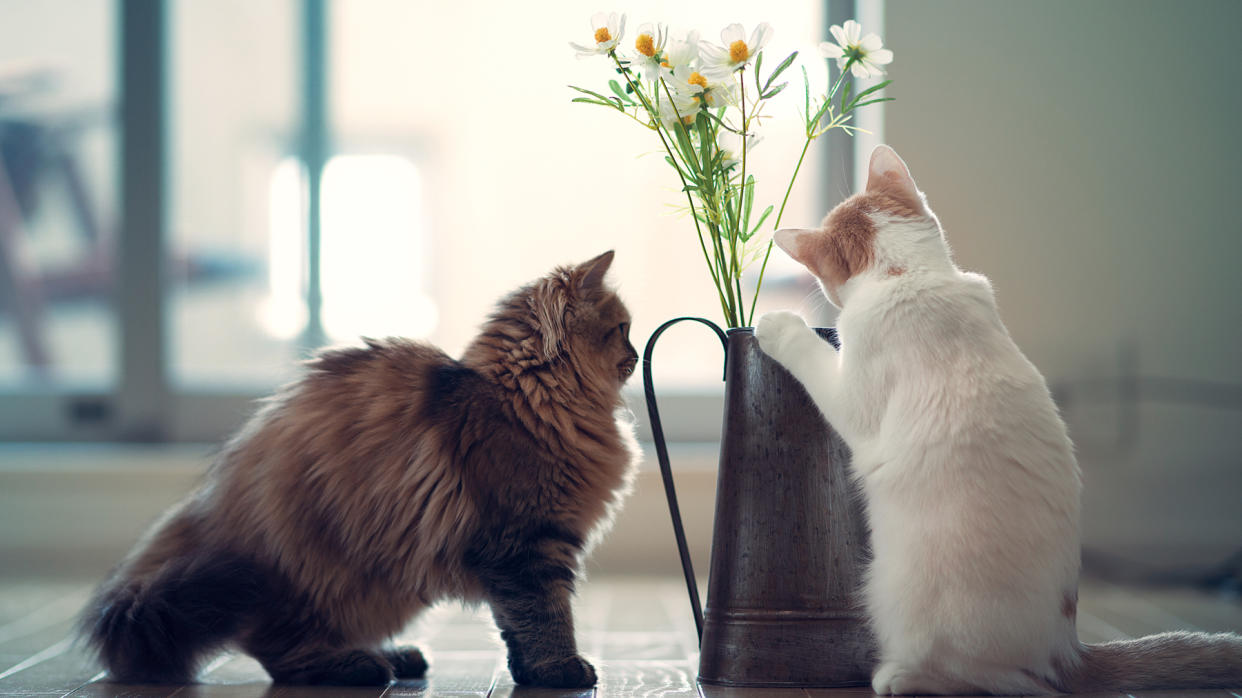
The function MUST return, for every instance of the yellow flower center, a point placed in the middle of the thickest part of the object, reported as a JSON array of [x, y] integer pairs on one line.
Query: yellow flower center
[[602, 35], [697, 79], [738, 51], [645, 45], [665, 63]]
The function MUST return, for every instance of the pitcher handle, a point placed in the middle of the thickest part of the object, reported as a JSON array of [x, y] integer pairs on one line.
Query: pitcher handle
[[666, 471]]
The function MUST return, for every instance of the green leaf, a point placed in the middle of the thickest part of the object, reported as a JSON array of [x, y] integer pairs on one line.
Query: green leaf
[[730, 216], [620, 93], [873, 101], [705, 141], [820, 114], [806, 93], [611, 103], [588, 92], [748, 200], [720, 121], [835, 87], [846, 95], [758, 66], [854, 103], [762, 217], [684, 145], [873, 88], [779, 69], [774, 91]]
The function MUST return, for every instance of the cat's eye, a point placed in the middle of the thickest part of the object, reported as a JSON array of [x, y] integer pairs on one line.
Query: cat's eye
[[625, 329]]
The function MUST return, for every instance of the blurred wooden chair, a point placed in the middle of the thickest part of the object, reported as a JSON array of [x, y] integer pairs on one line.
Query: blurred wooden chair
[[21, 288]]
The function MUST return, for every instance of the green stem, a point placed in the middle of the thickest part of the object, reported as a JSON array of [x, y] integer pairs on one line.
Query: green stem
[[741, 201], [707, 194], [722, 259], [812, 134], [728, 260], [655, 115], [777, 225]]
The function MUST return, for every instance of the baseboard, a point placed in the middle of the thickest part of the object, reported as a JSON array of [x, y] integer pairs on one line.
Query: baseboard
[[75, 510]]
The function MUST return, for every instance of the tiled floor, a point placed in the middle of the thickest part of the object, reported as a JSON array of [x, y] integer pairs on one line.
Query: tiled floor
[[638, 631]]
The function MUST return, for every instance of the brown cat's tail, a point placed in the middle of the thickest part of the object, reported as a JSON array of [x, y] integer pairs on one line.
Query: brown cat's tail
[[1177, 660], [157, 629]]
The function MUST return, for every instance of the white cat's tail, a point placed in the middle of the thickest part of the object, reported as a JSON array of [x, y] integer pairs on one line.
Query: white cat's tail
[[1178, 660]]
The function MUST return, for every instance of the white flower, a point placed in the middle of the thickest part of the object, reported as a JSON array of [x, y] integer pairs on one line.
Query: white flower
[[681, 54], [608, 32], [683, 107], [737, 52], [864, 56], [650, 47], [688, 82], [733, 154]]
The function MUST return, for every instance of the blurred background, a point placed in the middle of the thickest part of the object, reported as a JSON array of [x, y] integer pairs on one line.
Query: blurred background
[[195, 194]]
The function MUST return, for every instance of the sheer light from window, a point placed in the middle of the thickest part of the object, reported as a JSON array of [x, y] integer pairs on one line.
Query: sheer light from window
[[372, 242]]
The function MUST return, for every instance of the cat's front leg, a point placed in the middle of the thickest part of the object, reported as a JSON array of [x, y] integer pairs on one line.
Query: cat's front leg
[[784, 336], [529, 595]]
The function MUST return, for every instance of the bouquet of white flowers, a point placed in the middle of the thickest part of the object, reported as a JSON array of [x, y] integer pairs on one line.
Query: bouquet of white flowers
[[705, 101]]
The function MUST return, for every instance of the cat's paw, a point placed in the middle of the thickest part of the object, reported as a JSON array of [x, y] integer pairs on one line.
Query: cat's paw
[[349, 668], [892, 679], [778, 333], [407, 662], [567, 672], [885, 679]]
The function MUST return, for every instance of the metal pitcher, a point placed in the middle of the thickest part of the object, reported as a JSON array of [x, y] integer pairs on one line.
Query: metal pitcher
[[789, 539]]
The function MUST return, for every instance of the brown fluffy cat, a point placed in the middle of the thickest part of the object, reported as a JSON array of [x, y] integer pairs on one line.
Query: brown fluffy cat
[[389, 477]]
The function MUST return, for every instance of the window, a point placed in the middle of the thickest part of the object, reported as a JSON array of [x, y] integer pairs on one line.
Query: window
[[233, 91], [57, 195], [374, 256], [454, 169], [519, 179]]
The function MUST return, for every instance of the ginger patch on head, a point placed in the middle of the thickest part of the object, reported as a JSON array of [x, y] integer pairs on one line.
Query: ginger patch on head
[[848, 247]]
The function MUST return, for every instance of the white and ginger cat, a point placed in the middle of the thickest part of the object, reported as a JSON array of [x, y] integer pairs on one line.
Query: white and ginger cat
[[970, 480]]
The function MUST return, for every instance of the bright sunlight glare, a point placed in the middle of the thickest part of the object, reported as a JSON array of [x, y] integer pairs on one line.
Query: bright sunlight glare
[[372, 238]]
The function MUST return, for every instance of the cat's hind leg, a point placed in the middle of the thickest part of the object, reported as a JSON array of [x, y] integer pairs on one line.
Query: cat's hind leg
[[894, 679], [890, 679], [971, 678], [159, 628], [297, 644], [407, 662], [330, 668]]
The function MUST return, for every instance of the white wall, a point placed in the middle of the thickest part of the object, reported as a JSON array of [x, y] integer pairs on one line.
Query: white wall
[[1084, 156]]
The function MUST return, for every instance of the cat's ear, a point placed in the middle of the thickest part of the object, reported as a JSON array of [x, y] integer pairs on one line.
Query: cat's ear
[[888, 173], [548, 304], [794, 242], [590, 274]]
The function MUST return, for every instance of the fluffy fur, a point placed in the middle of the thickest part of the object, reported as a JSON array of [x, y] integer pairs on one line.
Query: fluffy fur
[[390, 477], [970, 479]]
